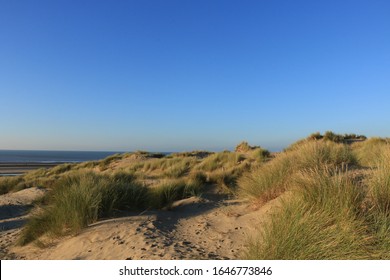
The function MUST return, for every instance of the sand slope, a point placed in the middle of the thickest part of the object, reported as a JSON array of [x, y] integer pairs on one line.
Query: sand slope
[[14, 211], [211, 227]]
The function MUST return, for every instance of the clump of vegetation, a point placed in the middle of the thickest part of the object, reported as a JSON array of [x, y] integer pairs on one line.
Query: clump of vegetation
[[166, 192], [225, 168], [222, 160], [62, 168], [260, 155], [243, 147], [268, 181], [196, 154], [225, 180], [80, 199], [198, 177], [380, 185], [320, 154], [8, 184], [146, 154], [257, 152], [315, 136], [342, 138], [179, 169], [328, 136], [87, 164], [370, 151], [273, 178], [379, 205], [17, 183], [329, 190]]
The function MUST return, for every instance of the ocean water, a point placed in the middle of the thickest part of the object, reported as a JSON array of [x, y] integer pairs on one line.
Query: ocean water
[[12, 156]]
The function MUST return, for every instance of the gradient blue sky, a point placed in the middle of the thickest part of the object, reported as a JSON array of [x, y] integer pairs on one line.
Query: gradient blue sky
[[182, 75]]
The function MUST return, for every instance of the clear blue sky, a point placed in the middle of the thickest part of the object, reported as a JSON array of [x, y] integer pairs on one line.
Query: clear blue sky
[[181, 75]]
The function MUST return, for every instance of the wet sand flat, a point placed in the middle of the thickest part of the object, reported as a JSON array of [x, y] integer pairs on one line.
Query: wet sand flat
[[15, 168]]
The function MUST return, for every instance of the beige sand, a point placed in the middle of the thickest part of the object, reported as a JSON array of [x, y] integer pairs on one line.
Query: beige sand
[[211, 227], [14, 210]]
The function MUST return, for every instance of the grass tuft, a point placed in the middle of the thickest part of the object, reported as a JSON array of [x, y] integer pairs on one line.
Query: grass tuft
[[165, 193], [273, 178], [80, 199]]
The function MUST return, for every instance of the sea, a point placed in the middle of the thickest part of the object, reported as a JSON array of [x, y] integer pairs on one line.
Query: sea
[[21, 156]]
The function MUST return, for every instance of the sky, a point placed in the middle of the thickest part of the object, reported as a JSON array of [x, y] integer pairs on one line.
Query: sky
[[182, 75]]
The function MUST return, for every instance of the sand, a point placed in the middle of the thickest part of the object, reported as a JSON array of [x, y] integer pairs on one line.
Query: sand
[[14, 211], [210, 227]]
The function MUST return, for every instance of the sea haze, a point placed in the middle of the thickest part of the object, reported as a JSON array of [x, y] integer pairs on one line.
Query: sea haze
[[51, 156]]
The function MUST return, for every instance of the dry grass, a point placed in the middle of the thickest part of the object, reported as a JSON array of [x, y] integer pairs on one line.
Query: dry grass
[[274, 177], [321, 221], [370, 151]]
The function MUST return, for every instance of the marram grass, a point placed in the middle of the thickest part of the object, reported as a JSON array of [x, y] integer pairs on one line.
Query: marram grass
[[321, 220], [80, 199]]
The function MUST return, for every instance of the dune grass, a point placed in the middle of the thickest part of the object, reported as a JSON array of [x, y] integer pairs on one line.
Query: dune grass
[[268, 181], [370, 151], [331, 190], [321, 220], [179, 168], [297, 232], [274, 177], [168, 191], [379, 184], [80, 199], [18, 183], [260, 155], [379, 204], [222, 160], [9, 184]]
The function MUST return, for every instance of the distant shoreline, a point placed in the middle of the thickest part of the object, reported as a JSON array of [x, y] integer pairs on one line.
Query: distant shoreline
[[19, 168], [18, 162]]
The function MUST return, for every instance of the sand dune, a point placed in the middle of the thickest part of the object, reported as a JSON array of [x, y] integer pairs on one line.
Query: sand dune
[[210, 227]]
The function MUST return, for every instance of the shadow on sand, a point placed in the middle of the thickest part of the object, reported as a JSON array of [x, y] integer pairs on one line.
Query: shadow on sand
[[12, 215]]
